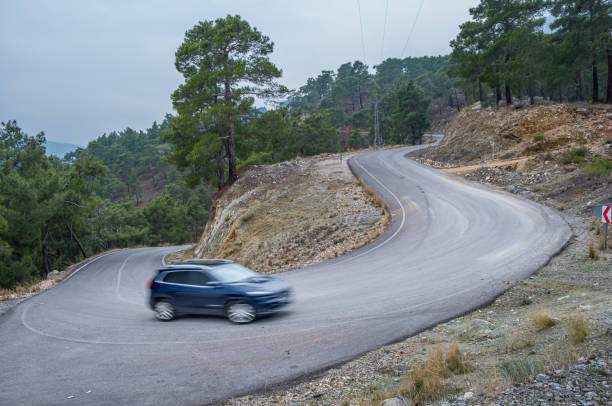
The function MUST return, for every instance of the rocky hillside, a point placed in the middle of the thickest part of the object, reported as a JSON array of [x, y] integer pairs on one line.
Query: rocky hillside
[[290, 215], [527, 131]]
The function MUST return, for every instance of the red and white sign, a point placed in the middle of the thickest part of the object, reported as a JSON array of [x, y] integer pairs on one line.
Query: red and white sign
[[606, 214]]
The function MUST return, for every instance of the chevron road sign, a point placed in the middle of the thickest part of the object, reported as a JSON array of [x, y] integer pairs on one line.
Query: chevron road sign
[[604, 213]]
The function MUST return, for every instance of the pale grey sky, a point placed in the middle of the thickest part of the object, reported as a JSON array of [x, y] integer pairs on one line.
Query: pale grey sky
[[79, 68]]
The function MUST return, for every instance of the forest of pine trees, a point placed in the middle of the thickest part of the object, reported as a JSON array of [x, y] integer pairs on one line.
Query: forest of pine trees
[[559, 49]]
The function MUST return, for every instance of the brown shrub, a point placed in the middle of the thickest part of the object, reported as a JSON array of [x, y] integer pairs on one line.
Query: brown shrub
[[593, 251], [578, 328], [424, 382], [455, 360], [541, 319]]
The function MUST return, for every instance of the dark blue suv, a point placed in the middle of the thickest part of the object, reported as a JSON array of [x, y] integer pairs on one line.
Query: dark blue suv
[[216, 287]]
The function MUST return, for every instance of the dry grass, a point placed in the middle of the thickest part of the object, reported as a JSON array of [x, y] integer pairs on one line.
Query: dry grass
[[490, 381], [517, 340], [375, 198], [541, 319], [593, 251], [456, 361], [24, 290], [562, 355], [578, 328], [425, 382]]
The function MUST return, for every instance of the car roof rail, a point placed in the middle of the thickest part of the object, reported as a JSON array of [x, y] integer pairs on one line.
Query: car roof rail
[[181, 266], [205, 261]]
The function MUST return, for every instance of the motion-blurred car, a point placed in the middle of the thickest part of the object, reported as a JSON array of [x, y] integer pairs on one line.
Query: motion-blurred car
[[216, 287]]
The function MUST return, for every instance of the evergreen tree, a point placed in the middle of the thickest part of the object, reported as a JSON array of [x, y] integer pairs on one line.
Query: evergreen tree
[[225, 64]]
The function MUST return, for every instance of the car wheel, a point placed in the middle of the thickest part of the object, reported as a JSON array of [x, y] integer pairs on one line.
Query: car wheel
[[164, 310], [240, 312]]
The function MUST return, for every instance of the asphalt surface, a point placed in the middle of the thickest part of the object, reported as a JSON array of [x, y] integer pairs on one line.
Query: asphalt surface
[[452, 246]]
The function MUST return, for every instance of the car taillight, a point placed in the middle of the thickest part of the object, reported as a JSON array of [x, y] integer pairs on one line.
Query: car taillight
[[150, 284]]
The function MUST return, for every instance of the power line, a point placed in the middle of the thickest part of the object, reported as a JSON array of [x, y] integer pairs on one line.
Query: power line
[[361, 26], [382, 45], [413, 25]]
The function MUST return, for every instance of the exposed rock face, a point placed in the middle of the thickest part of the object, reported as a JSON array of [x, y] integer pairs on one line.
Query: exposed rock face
[[290, 215], [469, 136]]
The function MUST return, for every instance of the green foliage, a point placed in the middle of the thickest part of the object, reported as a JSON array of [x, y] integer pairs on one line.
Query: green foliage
[[580, 151], [521, 370], [505, 46], [132, 158], [256, 158], [406, 113], [537, 137], [349, 91], [575, 156], [40, 199], [599, 167], [357, 141], [53, 212], [317, 134], [225, 64]]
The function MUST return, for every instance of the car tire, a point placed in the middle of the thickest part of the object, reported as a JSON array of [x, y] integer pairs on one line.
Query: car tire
[[164, 310], [240, 312]]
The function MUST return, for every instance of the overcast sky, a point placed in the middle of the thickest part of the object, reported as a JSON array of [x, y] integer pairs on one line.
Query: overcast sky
[[78, 69]]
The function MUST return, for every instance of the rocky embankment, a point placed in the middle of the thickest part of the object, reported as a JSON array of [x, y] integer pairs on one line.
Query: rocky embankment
[[529, 131], [291, 215]]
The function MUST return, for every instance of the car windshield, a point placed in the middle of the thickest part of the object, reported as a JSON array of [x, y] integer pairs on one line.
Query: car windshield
[[229, 273]]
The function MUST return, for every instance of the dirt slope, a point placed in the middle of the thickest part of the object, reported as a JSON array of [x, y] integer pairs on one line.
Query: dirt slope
[[564, 126], [290, 215]]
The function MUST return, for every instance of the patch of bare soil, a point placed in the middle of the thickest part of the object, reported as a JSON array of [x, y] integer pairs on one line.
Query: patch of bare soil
[[553, 327], [291, 215]]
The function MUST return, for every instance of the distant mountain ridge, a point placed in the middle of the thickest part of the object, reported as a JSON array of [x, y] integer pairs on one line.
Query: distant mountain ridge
[[59, 149]]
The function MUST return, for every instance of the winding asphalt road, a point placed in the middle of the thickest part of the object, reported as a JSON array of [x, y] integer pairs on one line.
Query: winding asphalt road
[[452, 246]]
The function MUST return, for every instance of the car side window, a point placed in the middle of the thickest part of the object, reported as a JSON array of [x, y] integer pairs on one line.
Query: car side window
[[198, 278], [178, 277]]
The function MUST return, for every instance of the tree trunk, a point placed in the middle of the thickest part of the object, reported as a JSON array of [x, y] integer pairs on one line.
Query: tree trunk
[[76, 240], [508, 94], [231, 142], [531, 90], [609, 90], [480, 95], [595, 81], [220, 171]]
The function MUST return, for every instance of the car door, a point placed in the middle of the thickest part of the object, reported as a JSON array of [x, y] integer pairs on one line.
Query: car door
[[177, 286], [206, 298]]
